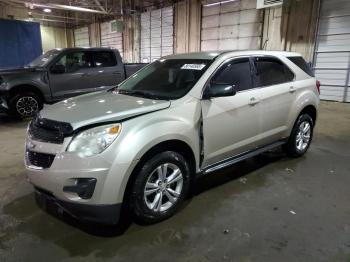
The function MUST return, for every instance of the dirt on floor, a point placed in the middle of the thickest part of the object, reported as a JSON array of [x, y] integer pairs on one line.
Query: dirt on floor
[[269, 208]]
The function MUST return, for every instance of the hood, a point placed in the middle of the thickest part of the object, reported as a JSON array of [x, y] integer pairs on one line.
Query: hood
[[100, 107], [18, 70]]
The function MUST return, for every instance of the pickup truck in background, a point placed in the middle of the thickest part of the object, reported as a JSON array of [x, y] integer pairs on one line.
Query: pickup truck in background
[[59, 74]]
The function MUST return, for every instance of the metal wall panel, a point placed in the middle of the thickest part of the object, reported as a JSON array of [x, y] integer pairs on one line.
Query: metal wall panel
[[81, 37], [111, 39], [157, 33], [332, 54], [233, 25]]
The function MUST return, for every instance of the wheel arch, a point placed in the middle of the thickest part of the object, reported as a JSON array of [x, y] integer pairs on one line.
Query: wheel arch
[[176, 145], [311, 111], [26, 88]]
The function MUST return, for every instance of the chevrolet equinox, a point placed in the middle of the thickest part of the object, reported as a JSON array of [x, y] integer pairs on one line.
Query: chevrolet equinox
[[141, 143]]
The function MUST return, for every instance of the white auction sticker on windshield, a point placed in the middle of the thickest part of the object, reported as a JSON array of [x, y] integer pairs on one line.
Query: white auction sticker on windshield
[[193, 66]]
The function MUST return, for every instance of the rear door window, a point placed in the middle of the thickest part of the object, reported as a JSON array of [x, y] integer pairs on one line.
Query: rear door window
[[104, 59], [236, 72], [301, 63], [271, 71], [75, 61]]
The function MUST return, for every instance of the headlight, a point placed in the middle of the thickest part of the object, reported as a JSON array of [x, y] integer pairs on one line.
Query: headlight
[[95, 140]]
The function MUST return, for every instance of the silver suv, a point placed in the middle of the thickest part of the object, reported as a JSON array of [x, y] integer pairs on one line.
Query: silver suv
[[138, 147]]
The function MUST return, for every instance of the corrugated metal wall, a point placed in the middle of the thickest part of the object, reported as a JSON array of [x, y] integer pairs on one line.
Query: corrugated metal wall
[[332, 56], [81, 37], [233, 25], [111, 39], [157, 32]]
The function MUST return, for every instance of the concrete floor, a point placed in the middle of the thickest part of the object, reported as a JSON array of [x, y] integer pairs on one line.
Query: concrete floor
[[270, 208]]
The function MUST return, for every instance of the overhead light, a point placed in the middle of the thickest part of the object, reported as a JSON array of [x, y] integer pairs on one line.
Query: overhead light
[[47, 10], [219, 3]]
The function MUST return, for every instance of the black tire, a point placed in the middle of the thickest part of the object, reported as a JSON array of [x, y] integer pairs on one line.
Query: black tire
[[291, 147], [24, 105], [137, 203]]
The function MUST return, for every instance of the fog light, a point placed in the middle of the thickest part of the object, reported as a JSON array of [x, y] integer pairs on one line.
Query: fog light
[[83, 187]]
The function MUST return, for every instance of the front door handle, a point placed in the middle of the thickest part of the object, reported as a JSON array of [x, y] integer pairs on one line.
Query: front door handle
[[253, 101], [292, 89]]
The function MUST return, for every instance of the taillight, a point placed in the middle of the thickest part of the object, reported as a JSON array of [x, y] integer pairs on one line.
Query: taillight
[[318, 85]]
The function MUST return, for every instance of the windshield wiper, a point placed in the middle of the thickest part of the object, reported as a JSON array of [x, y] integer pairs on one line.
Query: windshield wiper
[[140, 94]]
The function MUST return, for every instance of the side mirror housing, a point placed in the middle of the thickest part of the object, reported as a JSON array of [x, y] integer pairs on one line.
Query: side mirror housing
[[58, 69], [219, 90]]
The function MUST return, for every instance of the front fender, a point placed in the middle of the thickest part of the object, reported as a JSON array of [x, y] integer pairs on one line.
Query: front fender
[[139, 135]]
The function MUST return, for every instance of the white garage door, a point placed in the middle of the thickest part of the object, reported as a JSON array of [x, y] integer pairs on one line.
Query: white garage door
[[111, 39], [81, 37], [231, 26], [332, 55], [156, 34]]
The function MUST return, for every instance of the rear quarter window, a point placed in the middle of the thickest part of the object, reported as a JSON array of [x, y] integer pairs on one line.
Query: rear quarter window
[[301, 63], [271, 71], [104, 59]]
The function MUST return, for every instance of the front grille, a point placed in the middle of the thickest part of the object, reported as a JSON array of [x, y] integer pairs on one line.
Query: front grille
[[40, 159], [49, 131]]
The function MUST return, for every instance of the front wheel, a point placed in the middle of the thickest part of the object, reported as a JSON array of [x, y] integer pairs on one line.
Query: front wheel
[[301, 136], [160, 187], [25, 105]]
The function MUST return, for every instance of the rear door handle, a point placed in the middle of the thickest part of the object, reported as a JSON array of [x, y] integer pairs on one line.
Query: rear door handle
[[117, 73], [292, 89], [253, 101]]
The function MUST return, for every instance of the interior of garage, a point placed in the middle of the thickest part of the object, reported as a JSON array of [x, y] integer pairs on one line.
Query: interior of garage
[[268, 208], [144, 31]]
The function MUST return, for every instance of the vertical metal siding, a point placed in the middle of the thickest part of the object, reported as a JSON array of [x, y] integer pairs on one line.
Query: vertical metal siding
[[332, 54], [81, 37], [111, 39], [157, 34], [233, 25]]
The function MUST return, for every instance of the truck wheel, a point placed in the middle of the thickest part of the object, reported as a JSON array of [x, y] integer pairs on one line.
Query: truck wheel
[[301, 136], [25, 105], [160, 187]]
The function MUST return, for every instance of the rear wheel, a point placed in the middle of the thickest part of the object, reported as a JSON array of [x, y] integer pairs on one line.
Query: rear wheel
[[301, 136], [25, 105], [160, 187]]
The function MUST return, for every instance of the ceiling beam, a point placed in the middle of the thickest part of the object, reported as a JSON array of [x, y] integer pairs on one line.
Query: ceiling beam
[[59, 6], [97, 2]]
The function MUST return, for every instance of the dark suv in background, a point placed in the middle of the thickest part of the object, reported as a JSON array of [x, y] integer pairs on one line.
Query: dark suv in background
[[60, 74]]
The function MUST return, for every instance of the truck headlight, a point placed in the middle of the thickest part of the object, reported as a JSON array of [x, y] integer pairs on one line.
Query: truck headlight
[[95, 140]]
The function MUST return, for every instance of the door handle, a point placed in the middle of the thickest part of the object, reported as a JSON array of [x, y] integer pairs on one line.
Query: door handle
[[85, 74], [117, 73], [253, 101], [292, 89]]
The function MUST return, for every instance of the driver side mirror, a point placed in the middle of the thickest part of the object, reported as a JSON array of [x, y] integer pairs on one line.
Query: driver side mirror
[[58, 69], [219, 90]]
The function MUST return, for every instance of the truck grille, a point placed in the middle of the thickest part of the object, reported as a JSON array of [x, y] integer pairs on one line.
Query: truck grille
[[49, 131], [39, 159]]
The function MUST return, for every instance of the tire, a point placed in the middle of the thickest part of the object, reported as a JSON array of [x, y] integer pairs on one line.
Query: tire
[[25, 105], [299, 141], [144, 206]]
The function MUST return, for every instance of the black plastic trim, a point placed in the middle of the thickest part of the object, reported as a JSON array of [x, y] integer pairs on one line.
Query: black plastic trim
[[102, 214], [240, 157]]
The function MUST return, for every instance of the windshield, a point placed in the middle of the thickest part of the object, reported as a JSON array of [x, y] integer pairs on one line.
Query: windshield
[[44, 59], [165, 79]]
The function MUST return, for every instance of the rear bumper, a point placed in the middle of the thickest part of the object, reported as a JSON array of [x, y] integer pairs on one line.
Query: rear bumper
[[102, 214]]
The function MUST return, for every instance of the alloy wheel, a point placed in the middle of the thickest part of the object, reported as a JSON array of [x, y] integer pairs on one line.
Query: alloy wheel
[[27, 105], [163, 187], [303, 136]]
